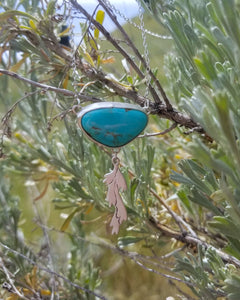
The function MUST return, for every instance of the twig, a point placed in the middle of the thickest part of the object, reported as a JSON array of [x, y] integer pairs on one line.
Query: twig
[[174, 125], [172, 213], [162, 274], [188, 226], [115, 249], [198, 129], [130, 21], [183, 293], [172, 252], [194, 129], [47, 270], [61, 115], [175, 216], [6, 272], [131, 255], [7, 116], [48, 87], [135, 257], [190, 240], [47, 239]]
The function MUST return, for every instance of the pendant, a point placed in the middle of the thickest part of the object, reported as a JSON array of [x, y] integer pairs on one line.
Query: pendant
[[113, 124]]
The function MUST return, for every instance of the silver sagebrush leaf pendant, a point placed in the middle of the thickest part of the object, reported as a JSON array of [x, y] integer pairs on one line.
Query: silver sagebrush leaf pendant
[[113, 125], [115, 183]]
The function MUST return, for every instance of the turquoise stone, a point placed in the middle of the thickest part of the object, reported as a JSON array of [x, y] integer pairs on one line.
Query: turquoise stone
[[113, 124]]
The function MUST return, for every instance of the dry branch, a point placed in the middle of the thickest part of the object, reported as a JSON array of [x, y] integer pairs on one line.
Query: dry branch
[[131, 94], [191, 240], [53, 273], [46, 88], [50, 41]]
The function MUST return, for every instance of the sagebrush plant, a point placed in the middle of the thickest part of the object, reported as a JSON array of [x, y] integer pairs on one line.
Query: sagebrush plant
[[183, 183]]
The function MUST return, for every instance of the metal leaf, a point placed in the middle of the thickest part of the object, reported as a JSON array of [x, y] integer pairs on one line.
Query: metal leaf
[[116, 182]]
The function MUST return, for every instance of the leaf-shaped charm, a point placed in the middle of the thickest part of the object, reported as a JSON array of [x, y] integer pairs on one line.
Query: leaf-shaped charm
[[111, 198], [121, 181], [115, 224], [109, 177], [115, 182], [121, 210]]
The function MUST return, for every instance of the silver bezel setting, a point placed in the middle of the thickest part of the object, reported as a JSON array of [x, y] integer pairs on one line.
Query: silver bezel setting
[[99, 105]]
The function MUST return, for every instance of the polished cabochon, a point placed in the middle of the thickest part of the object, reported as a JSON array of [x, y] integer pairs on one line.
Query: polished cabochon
[[112, 124]]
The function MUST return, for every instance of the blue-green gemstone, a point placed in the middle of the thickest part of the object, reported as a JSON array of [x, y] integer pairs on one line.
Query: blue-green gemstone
[[113, 126]]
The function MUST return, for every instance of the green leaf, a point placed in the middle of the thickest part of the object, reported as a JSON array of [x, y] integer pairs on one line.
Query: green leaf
[[232, 19], [192, 36], [233, 248], [221, 101], [128, 240], [213, 13], [210, 178], [203, 200], [80, 192], [228, 46], [133, 186], [192, 172], [180, 178], [232, 287], [225, 226], [184, 198], [89, 59], [196, 167], [205, 66]]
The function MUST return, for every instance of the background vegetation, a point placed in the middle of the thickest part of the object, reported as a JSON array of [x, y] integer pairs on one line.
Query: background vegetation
[[181, 238]]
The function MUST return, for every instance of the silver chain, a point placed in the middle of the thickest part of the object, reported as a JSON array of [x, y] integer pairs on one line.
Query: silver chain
[[145, 45], [146, 52], [75, 73], [129, 21]]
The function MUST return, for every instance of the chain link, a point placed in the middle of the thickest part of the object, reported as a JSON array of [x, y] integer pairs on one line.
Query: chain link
[[146, 52], [129, 21]]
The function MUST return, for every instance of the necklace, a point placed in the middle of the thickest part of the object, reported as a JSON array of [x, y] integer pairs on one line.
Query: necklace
[[113, 125]]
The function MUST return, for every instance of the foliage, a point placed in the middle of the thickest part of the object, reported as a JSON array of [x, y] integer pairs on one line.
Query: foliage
[[189, 223], [205, 71]]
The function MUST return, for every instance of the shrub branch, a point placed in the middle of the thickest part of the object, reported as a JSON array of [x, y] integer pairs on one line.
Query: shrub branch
[[191, 240]]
